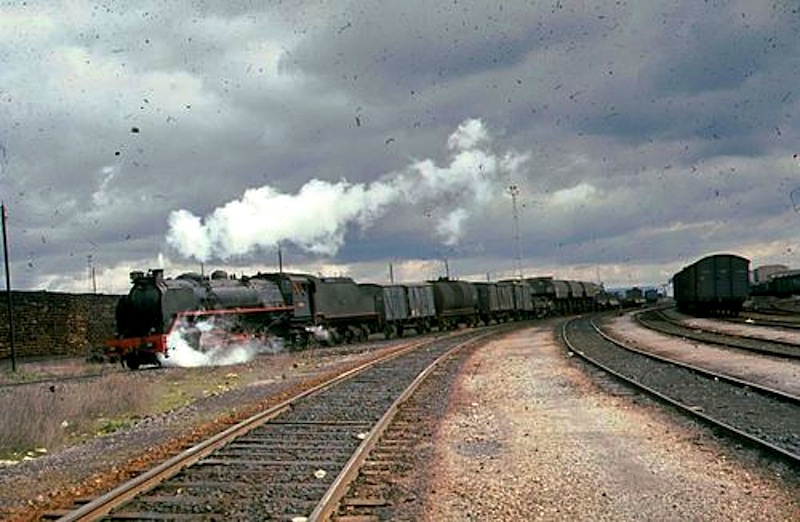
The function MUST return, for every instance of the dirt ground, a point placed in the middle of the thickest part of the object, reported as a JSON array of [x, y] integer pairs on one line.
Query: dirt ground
[[530, 435]]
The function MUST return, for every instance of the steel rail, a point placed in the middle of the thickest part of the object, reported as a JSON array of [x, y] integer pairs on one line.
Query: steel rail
[[781, 348], [118, 496], [698, 369], [685, 408], [337, 491]]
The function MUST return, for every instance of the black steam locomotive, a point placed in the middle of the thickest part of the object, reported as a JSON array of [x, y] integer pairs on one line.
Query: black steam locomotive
[[301, 308]]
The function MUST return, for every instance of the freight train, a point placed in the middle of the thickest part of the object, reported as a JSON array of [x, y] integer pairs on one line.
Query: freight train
[[782, 285], [301, 308], [716, 285]]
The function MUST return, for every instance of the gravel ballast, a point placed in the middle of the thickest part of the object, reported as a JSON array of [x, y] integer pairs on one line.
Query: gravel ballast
[[533, 434], [529, 433]]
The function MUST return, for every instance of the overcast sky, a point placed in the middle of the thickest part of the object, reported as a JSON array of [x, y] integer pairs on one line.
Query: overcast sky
[[640, 137]]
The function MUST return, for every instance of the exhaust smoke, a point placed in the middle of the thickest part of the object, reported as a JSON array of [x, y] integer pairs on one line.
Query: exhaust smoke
[[317, 216], [207, 344]]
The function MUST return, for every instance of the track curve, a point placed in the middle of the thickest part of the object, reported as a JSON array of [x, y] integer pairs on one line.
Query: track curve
[[282, 462], [660, 321], [767, 418]]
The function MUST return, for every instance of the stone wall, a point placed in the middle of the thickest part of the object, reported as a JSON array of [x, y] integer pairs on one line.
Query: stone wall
[[56, 324]]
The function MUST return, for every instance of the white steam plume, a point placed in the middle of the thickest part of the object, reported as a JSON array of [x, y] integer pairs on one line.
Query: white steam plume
[[316, 218], [213, 348]]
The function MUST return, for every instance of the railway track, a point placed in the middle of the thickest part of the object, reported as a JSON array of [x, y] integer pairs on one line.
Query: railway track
[[387, 485], [790, 322], [59, 379], [292, 461], [763, 417], [657, 320]]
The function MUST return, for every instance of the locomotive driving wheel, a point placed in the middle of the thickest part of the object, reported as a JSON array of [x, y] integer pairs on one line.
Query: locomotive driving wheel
[[132, 360]]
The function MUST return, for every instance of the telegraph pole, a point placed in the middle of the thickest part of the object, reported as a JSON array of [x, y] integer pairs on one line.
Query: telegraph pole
[[92, 278], [8, 293], [514, 191]]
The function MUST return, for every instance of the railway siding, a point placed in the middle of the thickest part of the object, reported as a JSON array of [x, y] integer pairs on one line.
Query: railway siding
[[756, 414], [779, 373], [759, 343]]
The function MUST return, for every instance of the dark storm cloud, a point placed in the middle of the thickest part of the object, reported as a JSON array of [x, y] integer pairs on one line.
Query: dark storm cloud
[[655, 130], [399, 50], [719, 50]]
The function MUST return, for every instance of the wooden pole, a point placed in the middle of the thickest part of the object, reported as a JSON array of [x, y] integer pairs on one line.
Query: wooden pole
[[9, 304]]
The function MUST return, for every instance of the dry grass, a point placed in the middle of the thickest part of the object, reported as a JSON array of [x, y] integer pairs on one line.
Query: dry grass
[[33, 369], [51, 416], [33, 416]]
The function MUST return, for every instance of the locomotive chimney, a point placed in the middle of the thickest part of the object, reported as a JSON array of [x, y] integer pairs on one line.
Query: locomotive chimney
[[136, 275], [158, 275]]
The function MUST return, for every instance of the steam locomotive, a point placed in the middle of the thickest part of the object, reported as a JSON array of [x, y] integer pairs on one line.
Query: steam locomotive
[[301, 308]]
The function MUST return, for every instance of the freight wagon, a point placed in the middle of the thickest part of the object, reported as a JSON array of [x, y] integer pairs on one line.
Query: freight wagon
[[591, 297], [407, 306], [523, 299], [495, 302], [456, 303], [785, 284], [716, 285]]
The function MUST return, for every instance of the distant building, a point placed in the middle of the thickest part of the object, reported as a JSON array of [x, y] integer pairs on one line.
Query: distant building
[[763, 273]]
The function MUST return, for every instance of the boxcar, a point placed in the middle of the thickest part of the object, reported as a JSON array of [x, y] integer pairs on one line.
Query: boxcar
[[408, 306], [784, 285], [488, 301], [522, 298], [714, 285]]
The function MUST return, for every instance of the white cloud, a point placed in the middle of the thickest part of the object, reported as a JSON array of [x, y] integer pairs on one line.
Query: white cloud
[[580, 194]]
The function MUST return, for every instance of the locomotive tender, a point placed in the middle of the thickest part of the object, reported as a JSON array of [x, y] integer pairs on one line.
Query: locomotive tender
[[299, 308]]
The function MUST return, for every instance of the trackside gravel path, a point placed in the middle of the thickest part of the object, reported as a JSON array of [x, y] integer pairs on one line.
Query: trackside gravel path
[[532, 434]]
